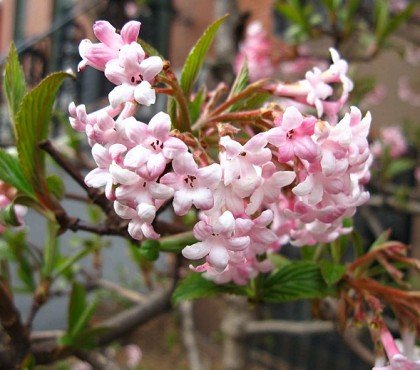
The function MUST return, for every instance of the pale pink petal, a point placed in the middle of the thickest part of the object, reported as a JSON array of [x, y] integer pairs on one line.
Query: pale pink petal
[[120, 94], [150, 67], [239, 243], [105, 33], [148, 231], [136, 156], [182, 202], [146, 212], [97, 178], [184, 164], [218, 257], [156, 164], [159, 125], [173, 146], [305, 187], [122, 175], [305, 148], [160, 191], [196, 251], [124, 211], [130, 32], [144, 94], [286, 151], [202, 198], [292, 119]]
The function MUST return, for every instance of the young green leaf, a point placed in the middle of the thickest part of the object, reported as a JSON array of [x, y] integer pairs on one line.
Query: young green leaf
[[13, 82], [32, 126], [399, 166], [55, 186], [51, 251], [194, 106], [195, 286], [332, 272], [297, 280], [77, 304], [11, 173], [83, 319], [195, 58], [241, 80], [149, 49]]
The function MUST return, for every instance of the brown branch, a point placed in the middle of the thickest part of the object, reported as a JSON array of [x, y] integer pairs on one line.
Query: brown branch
[[12, 324]]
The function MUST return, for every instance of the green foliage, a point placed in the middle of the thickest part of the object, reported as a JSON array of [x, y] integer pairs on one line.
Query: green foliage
[[149, 49], [195, 286], [332, 272], [32, 127], [195, 58], [297, 280], [241, 80], [13, 82], [51, 251], [194, 106], [11, 173], [55, 186], [150, 250], [80, 311]]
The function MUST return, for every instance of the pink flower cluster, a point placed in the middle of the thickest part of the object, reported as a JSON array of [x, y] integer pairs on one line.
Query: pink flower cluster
[[294, 182], [316, 90]]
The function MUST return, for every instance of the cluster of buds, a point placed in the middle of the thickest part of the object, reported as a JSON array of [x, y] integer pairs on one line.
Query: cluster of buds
[[391, 138], [295, 180]]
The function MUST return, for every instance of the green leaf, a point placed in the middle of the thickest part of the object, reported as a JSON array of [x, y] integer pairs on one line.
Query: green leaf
[[8, 216], [332, 272], [398, 166], [384, 237], [51, 251], [241, 80], [77, 305], [297, 280], [150, 250], [32, 126], [13, 82], [83, 319], [195, 286], [64, 266], [175, 243], [255, 101], [278, 260], [11, 173], [55, 186], [196, 56], [194, 106]]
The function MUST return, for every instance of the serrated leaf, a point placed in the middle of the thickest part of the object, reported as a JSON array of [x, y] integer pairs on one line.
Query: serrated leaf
[[13, 82], [32, 126], [332, 272], [11, 173], [195, 58], [195, 286], [297, 280], [150, 250]]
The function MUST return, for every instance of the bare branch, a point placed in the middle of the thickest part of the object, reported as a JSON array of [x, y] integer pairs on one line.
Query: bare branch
[[289, 327], [190, 343]]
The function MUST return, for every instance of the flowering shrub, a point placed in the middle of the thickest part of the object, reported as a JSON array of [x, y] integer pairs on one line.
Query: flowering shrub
[[243, 176]]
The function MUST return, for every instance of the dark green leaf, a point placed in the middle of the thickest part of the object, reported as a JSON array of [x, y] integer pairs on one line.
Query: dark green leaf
[[195, 286], [194, 106], [77, 304], [51, 251], [297, 280], [32, 126], [255, 101], [83, 320], [8, 216], [13, 82], [11, 173], [150, 250], [332, 272], [197, 55], [241, 80]]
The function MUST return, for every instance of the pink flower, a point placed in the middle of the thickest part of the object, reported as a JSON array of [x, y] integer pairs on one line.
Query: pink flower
[[216, 239], [155, 147], [97, 55], [397, 361], [192, 185], [292, 136]]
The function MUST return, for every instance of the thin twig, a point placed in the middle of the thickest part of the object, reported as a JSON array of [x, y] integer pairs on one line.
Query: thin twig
[[289, 327]]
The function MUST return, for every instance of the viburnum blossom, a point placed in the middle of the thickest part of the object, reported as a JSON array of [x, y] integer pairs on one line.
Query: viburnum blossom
[[398, 360], [316, 90], [294, 178]]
